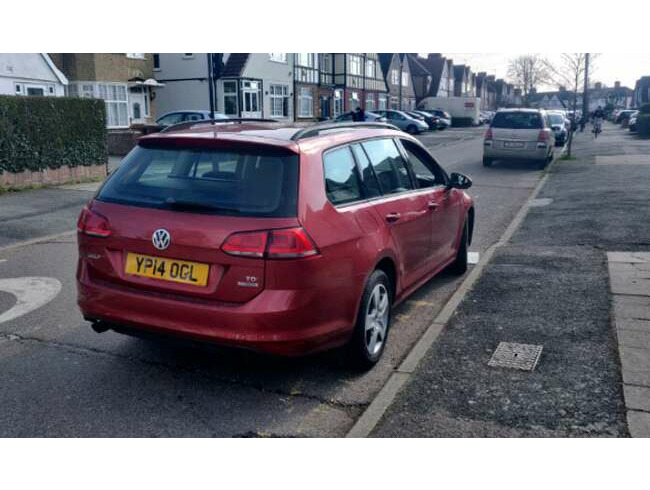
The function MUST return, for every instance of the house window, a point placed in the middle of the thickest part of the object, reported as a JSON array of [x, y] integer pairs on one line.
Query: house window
[[370, 102], [279, 100], [156, 61], [230, 98], [35, 91], [371, 68], [51, 90], [381, 105], [405, 79], [305, 102], [355, 65], [18, 89], [278, 57], [394, 77], [307, 59], [136, 56], [115, 97]]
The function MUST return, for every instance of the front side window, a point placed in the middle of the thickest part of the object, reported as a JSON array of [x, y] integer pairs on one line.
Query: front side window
[[427, 172], [341, 178], [170, 119], [305, 102], [389, 166], [368, 178], [211, 181]]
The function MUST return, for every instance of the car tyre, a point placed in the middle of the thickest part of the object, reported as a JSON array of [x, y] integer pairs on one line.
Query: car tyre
[[459, 266], [411, 129], [487, 162], [373, 321]]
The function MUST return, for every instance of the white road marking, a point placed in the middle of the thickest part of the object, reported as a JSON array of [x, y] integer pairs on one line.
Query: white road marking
[[31, 293], [2, 260]]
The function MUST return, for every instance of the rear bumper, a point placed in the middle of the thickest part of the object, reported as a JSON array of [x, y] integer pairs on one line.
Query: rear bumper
[[287, 323], [516, 154]]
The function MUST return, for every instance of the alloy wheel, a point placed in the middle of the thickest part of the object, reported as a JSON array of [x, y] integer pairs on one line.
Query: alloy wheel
[[377, 319]]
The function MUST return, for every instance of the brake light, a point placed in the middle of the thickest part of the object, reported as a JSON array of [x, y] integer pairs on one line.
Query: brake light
[[274, 244], [543, 137], [488, 134], [251, 244], [93, 224]]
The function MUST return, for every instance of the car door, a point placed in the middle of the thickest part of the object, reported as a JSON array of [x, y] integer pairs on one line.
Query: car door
[[396, 119], [444, 205], [401, 208]]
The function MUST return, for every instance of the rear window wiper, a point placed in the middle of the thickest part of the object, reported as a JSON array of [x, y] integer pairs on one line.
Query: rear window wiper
[[185, 204]]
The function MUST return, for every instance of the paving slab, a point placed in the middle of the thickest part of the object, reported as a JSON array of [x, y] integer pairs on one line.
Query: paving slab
[[639, 424], [637, 398]]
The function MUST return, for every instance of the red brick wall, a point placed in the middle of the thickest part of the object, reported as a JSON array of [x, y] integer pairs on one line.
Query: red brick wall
[[51, 176]]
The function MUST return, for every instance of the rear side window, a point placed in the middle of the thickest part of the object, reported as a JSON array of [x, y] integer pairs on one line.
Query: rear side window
[[517, 120], [213, 181], [389, 166], [341, 179]]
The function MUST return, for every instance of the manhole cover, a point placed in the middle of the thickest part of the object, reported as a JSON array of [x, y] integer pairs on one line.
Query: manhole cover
[[516, 356]]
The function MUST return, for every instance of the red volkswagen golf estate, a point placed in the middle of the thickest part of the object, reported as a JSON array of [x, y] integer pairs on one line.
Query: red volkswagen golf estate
[[277, 239]]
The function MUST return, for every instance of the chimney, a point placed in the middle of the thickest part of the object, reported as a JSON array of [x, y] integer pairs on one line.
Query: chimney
[[617, 84], [434, 56], [598, 86]]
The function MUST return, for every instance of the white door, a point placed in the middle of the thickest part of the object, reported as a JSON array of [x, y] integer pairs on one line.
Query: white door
[[137, 105], [251, 103]]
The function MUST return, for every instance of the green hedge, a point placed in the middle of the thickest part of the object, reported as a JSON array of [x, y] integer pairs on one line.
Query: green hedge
[[643, 125], [51, 132]]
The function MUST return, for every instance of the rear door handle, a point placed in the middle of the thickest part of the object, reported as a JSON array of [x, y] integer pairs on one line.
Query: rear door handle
[[433, 205], [392, 217]]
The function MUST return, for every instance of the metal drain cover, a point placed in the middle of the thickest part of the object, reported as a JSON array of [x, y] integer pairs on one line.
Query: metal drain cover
[[516, 356]]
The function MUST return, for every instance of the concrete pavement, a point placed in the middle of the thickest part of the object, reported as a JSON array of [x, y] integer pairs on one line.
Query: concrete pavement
[[549, 287]]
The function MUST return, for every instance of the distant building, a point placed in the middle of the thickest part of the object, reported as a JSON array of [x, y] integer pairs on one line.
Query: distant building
[[641, 92], [359, 81], [433, 76], [123, 80], [30, 74], [396, 68]]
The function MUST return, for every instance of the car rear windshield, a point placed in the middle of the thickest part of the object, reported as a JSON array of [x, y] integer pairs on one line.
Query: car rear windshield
[[517, 120], [213, 181], [555, 118]]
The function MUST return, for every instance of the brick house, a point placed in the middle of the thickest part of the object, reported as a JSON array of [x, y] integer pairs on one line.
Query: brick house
[[123, 80], [399, 82], [313, 88], [482, 89], [462, 81], [359, 78]]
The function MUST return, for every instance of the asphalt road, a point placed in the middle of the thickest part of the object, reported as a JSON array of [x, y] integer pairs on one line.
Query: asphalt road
[[59, 378]]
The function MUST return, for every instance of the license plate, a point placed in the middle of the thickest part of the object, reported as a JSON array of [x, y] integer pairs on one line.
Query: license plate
[[166, 269], [513, 144]]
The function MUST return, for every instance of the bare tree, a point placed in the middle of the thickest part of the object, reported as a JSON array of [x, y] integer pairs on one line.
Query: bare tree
[[569, 72], [529, 71]]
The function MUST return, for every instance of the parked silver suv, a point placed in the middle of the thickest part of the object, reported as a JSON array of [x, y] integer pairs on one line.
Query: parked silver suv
[[519, 134]]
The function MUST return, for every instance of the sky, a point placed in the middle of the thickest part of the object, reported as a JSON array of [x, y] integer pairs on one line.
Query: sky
[[608, 67]]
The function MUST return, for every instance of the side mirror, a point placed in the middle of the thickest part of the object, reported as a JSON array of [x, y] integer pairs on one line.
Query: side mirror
[[459, 181]]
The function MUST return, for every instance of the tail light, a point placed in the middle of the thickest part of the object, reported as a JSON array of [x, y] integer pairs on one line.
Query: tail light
[[488, 134], [274, 244], [93, 224], [543, 137]]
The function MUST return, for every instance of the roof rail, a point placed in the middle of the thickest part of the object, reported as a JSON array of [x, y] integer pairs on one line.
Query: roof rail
[[189, 124], [316, 129]]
